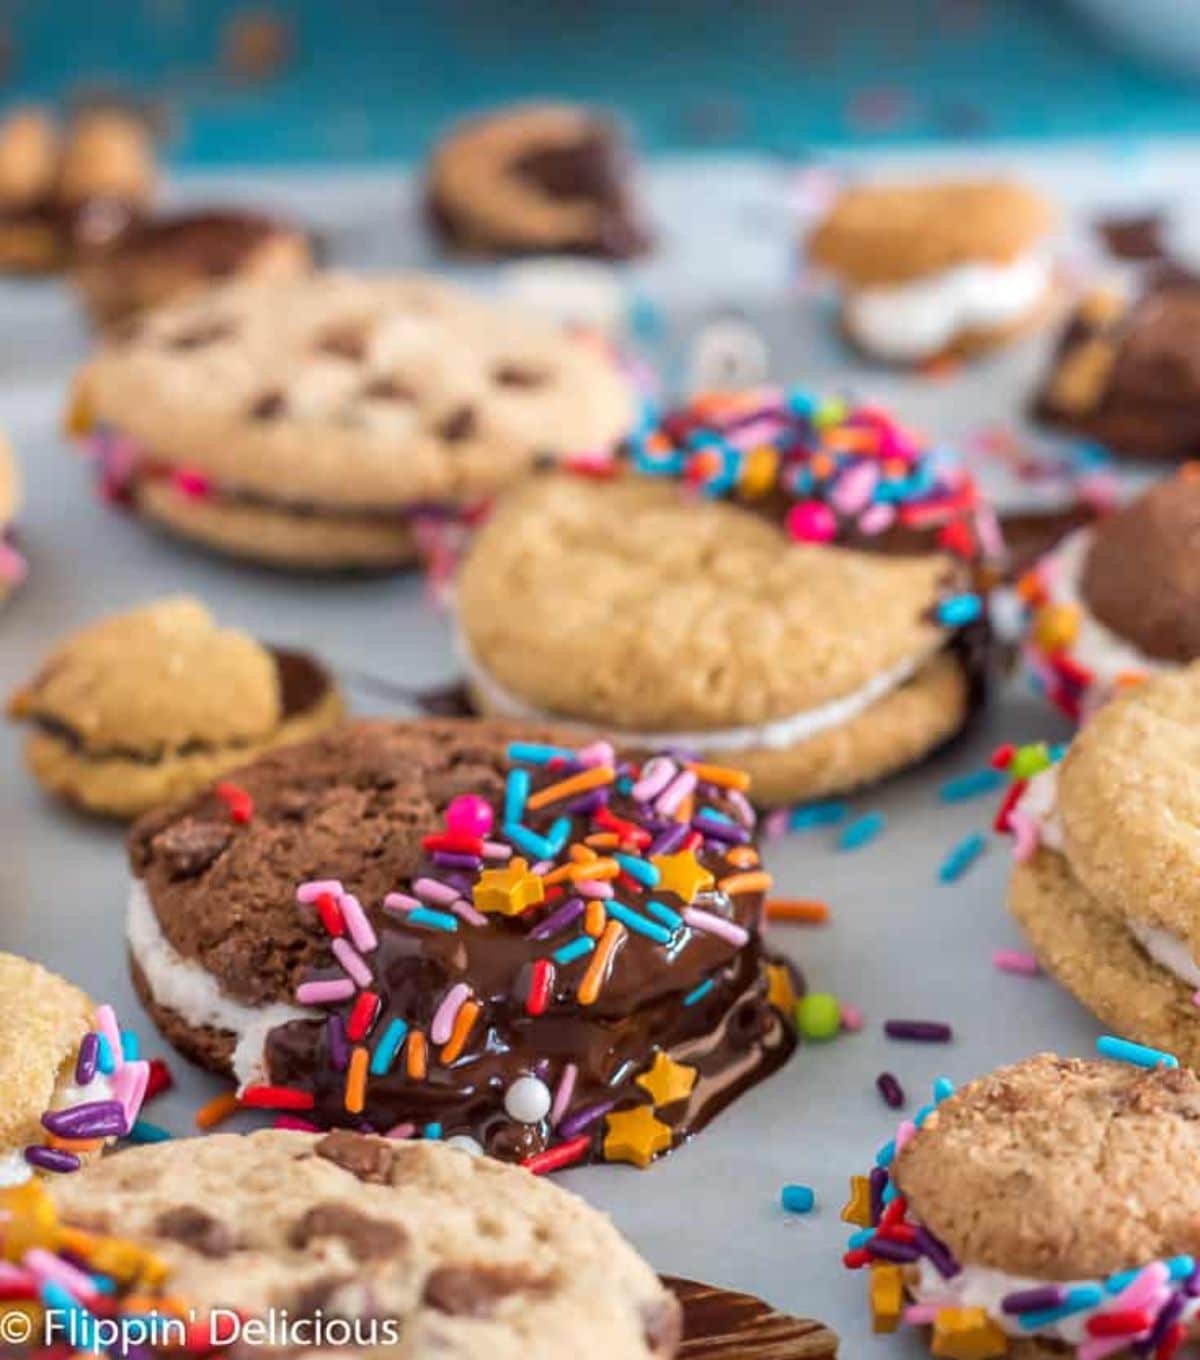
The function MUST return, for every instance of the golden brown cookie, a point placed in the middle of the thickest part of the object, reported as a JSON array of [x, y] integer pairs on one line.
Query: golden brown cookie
[[12, 564], [144, 707], [535, 178], [413, 1249], [1037, 1209], [937, 269], [749, 626], [349, 409]]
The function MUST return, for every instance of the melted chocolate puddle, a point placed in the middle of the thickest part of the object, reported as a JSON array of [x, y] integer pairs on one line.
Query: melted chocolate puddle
[[721, 1324]]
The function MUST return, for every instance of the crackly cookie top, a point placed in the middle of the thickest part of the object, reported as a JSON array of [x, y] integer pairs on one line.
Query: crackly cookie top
[[155, 681], [351, 391], [468, 1257], [10, 486], [1060, 1169], [881, 234]]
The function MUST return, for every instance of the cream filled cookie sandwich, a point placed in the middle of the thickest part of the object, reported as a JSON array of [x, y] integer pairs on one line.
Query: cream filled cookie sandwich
[[1049, 1209], [327, 422], [936, 269], [767, 579]]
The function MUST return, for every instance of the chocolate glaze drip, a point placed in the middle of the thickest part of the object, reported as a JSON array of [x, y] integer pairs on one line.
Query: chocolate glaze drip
[[215, 241], [722, 1324]]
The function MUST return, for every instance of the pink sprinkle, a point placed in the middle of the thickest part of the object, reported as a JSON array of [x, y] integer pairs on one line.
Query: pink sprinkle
[[13, 567], [811, 522], [543, 867], [360, 928], [106, 1023], [1196, 998], [852, 1017], [741, 805], [345, 954], [444, 1017], [598, 753], [47, 1267], [295, 1124], [129, 1087], [905, 1134], [193, 485], [562, 1097], [401, 1131], [1150, 1282], [776, 825], [14, 1275], [876, 518], [657, 773], [675, 792], [496, 850], [400, 902], [1100, 1347], [991, 538], [594, 887], [324, 991], [1024, 832], [853, 490], [921, 1314], [1016, 961], [318, 887], [466, 912], [430, 890], [729, 931]]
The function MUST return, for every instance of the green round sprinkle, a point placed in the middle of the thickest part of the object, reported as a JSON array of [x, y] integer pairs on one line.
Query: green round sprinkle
[[1029, 760], [797, 1199], [818, 1015]]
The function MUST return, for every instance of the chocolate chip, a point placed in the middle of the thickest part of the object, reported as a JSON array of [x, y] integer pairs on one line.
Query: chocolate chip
[[198, 1230], [367, 1158], [345, 342], [268, 406], [474, 1291], [388, 389], [662, 1326], [459, 424], [201, 334], [188, 847], [515, 375], [367, 1239]]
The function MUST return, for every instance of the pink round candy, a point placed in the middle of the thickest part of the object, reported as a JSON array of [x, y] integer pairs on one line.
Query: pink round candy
[[469, 815], [811, 522]]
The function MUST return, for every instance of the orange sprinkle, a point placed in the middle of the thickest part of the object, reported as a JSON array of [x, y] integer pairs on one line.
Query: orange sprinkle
[[1190, 470], [683, 813], [582, 854], [604, 840], [217, 1110], [1030, 589], [464, 1022], [76, 1241], [564, 871], [742, 856], [82, 1145], [722, 776], [594, 918], [356, 1081], [1130, 679], [757, 880], [417, 1051], [595, 870], [600, 963], [800, 912], [583, 782], [821, 466]]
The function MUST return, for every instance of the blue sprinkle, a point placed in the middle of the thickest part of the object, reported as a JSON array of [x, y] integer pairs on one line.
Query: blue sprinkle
[[890, 1192], [861, 831], [1180, 1267], [1123, 1050], [1115, 1283], [557, 836], [816, 814], [797, 1199], [859, 1238], [432, 1131], [529, 841], [574, 949], [960, 859], [145, 1132], [640, 869], [923, 1114], [638, 923], [886, 1154], [130, 1048], [625, 785], [699, 993], [433, 920], [532, 753], [516, 792], [959, 609], [971, 785], [1079, 1298], [388, 1046], [942, 1088], [106, 1061], [664, 914]]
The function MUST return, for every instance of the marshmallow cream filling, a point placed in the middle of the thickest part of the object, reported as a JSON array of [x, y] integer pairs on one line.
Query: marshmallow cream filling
[[918, 319], [193, 994], [1168, 951], [776, 735]]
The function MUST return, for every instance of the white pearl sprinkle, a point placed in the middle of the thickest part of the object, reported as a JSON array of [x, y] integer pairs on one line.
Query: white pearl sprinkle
[[527, 1100], [465, 1143]]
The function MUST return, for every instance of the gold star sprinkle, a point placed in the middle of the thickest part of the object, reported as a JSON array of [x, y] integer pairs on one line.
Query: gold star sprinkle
[[682, 874], [667, 1081], [635, 1136], [510, 890], [858, 1210], [967, 1334], [30, 1220], [781, 991], [887, 1297]]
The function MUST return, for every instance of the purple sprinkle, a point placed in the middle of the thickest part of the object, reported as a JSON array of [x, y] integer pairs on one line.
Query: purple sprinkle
[[451, 859], [339, 1048], [1033, 1300], [923, 1031], [890, 1089], [885, 1249], [585, 804], [85, 1064], [92, 1119], [669, 841], [936, 1252], [717, 830], [52, 1159], [575, 1123], [877, 1180], [1170, 1311], [559, 919], [1191, 1286]]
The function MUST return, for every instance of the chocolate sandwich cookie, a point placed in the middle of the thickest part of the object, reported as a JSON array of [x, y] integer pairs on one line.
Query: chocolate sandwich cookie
[[327, 422], [1049, 1209], [776, 582], [1126, 372], [1117, 601], [538, 178], [142, 708], [172, 257], [12, 565], [72, 1082], [472, 931], [1103, 880], [65, 195], [937, 269], [327, 1246]]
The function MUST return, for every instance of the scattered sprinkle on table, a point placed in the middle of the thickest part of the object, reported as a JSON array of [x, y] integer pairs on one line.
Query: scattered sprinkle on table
[[1015, 961], [861, 831], [920, 1031], [1124, 1050], [960, 859], [809, 815], [818, 1016], [890, 1089], [797, 1199], [798, 912], [972, 785]]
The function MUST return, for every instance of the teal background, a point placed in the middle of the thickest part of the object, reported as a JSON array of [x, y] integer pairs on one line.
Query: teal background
[[373, 81]]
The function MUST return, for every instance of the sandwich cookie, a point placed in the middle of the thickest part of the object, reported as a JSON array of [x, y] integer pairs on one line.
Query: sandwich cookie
[[937, 269], [145, 707], [537, 179], [771, 581], [1117, 601], [328, 1246], [468, 930], [71, 1078], [1102, 883], [175, 256], [13, 568], [1049, 1209], [323, 423]]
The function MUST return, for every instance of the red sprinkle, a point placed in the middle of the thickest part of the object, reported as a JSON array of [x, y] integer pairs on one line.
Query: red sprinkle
[[541, 979], [238, 801], [1171, 1342], [160, 1079], [1011, 798], [1124, 1322], [856, 1259], [627, 831], [1002, 756], [555, 1158], [276, 1098], [458, 844], [363, 1016], [331, 914]]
